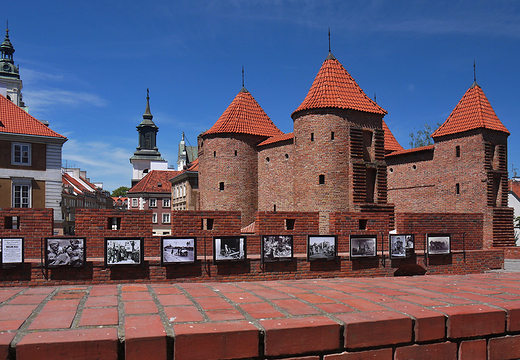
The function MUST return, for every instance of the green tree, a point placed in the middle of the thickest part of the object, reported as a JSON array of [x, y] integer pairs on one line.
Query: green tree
[[422, 136], [120, 191]]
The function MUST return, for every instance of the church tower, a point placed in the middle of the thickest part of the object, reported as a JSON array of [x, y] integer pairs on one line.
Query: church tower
[[147, 156], [10, 83]]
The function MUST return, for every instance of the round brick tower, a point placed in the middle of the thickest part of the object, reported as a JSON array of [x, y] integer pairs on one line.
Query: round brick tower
[[228, 162], [339, 144]]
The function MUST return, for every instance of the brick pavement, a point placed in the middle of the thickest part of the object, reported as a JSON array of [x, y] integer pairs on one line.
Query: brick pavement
[[429, 317]]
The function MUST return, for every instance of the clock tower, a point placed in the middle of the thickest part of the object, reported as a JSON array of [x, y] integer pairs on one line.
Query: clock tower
[[147, 156], [10, 83]]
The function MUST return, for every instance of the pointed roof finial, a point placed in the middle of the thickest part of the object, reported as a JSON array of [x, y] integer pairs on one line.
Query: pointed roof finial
[[375, 99], [243, 87], [147, 113], [329, 39], [474, 75]]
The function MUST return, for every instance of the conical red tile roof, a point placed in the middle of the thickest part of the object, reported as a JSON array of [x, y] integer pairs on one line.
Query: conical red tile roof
[[391, 143], [14, 120], [333, 87], [472, 112], [244, 116]]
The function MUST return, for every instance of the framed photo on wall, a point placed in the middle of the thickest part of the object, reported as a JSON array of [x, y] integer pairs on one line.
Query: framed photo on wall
[[11, 252], [322, 247], [229, 248], [401, 245], [178, 250], [363, 246], [124, 251], [276, 248], [438, 244], [65, 252]]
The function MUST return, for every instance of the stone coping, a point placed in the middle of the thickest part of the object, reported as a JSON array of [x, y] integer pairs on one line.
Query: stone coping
[[446, 317]]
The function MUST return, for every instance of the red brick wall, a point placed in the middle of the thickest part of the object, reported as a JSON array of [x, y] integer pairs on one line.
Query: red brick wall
[[194, 223], [35, 224], [347, 223], [239, 173], [93, 224], [466, 229], [275, 179]]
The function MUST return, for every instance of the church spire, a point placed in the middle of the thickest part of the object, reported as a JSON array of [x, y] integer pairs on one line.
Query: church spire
[[7, 67]]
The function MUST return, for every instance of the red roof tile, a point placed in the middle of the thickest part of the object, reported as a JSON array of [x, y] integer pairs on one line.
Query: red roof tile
[[472, 112], [333, 87], [150, 183], [275, 139], [14, 120], [194, 166], [514, 187], [244, 116], [409, 151], [391, 143]]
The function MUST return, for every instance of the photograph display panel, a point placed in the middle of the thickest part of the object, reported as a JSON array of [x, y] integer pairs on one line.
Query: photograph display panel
[[439, 244], [277, 248], [11, 252], [65, 252], [229, 248], [362, 246], [178, 250], [401, 246], [124, 251], [322, 247]]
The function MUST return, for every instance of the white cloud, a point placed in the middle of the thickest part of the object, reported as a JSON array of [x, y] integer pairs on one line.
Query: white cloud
[[46, 99]]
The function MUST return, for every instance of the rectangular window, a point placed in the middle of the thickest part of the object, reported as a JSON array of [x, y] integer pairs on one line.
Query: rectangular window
[[154, 218], [134, 202], [166, 203], [21, 196], [457, 151], [153, 202], [21, 154], [166, 218], [289, 224]]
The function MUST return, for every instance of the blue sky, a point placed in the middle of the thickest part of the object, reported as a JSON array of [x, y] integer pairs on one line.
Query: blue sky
[[86, 65]]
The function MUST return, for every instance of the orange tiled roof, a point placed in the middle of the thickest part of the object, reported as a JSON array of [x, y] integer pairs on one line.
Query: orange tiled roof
[[472, 112], [275, 139], [409, 151], [244, 116], [391, 143], [150, 183], [14, 120], [333, 87], [194, 165]]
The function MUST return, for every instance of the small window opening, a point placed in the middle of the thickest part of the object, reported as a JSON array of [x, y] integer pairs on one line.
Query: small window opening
[[457, 188], [12, 222], [214, 154], [457, 151], [312, 136], [322, 179], [235, 153], [202, 224], [332, 135], [363, 224], [391, 170], [367, 145], [289, 224], [287, 156], [221, 186], [414, 167], [274, 207], [267, 159], [114, 223], [209, 224]]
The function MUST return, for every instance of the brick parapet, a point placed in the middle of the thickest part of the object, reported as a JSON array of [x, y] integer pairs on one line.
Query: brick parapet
[[453, 318]]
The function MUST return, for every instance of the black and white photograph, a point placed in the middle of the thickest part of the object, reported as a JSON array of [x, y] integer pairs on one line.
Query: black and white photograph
[[277, 248], [363, 246], [401, 245], [321, 247], [123, 251], [439, 244], [178, 250], [229, 248], [11, 252], [64, 252]]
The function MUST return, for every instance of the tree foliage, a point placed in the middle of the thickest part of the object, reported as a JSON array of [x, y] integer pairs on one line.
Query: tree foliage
[[422, 137], [120, 191]]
